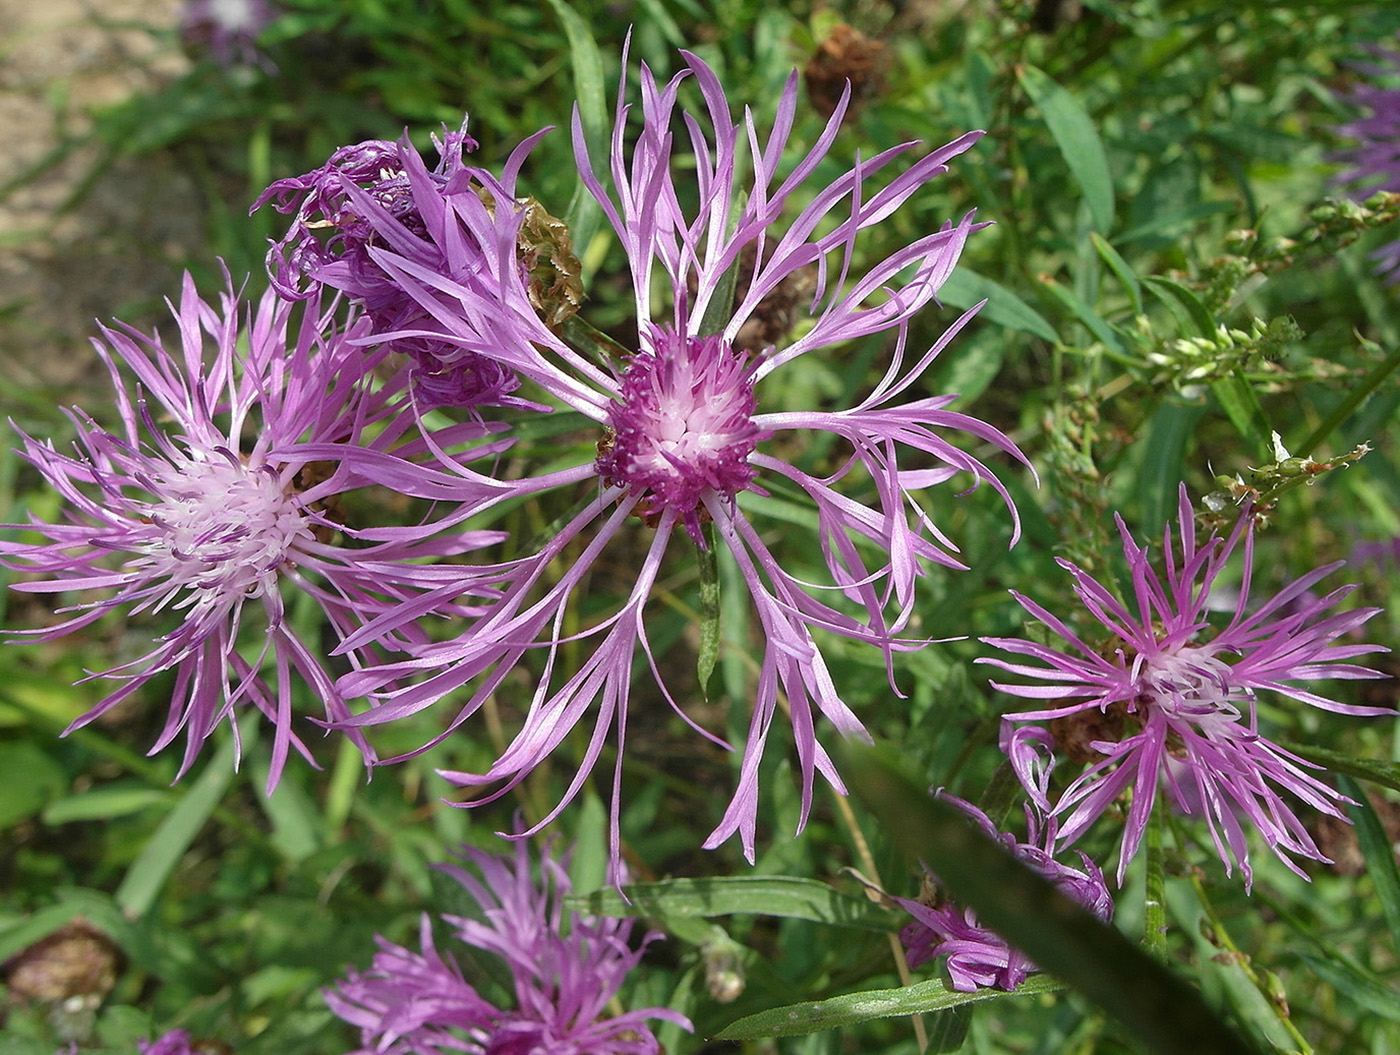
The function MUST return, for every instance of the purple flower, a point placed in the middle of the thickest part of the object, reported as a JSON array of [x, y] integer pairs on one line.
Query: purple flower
[[681, 443], [381, 194], [217, 496], [978, 957], [1373, 162], [176, 1042], [565, 968], [1169, 699], [229, 29]]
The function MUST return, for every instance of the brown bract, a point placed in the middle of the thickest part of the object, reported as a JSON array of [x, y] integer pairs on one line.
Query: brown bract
[[77, 960], [846, 55]]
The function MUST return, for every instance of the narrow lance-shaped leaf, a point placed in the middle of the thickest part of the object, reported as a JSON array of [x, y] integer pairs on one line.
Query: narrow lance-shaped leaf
[[1164, 458], [1120, 268], [1386, 774], [1241, 405], [584, 213], [965, 288], [1162, 1010], [1095, 322], [1074, 133], [147, 875], [787, 896], [1378, 852], [1175, 295], [851, 1009]]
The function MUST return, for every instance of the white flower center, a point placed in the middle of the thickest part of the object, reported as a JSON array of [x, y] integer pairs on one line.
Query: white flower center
[[1190, 683], [233, 16], [220, 526]]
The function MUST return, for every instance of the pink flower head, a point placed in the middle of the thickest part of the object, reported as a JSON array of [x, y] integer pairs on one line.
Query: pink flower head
[[978, 957], [229, 29], [682, 442], [1172, 700], [565, 969], [176, 1042], [215, 497], [1373, 161], [378, 193]]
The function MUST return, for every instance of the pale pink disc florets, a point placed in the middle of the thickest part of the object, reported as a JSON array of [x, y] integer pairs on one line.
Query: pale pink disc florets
[[683, 429], [221, 528]]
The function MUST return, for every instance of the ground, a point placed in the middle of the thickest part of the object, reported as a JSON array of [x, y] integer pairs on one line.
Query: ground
[[115, 251]]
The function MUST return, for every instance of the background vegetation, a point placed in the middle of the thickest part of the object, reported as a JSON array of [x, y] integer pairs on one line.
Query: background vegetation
[[1155, 170]]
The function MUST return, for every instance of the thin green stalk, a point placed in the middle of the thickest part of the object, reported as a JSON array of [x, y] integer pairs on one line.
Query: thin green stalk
[[1354, 399], [1154, 929], [867, 862], [1223, 940]]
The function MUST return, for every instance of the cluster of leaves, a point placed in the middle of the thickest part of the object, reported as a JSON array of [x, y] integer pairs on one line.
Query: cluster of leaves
[[1169, 298]]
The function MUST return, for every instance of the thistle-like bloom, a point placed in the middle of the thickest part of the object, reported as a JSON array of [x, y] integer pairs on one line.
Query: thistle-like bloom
[[176, 1042], [217, 499], [978, 957], [1171, 700], [378, 193], [229, 29], [682, 445], [1373, 162], [565, 968]]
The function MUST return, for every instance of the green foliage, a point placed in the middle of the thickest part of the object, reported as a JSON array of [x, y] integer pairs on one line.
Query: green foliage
[[1167, 293]]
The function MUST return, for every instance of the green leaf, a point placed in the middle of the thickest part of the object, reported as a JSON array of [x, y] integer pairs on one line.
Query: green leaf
[[94, 906], [1084, 313], [296, 828], [1078, 141], [588, 867], [658, 16], [148, 873], [1174, 294], [1227, 972], [965, 288], [32, 780], [980, 73], [787, 896], [840, 1011], [720, 308], [103, 804], [1348, 978], [1120, 268], [1378, 853], [584, 214], [1386, 774], [1238, 399], [1177, 218], [1164, 1012], [1163, 461]]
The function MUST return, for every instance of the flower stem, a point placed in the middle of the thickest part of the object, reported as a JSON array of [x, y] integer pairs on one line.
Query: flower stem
[[867, 864], [1354, 399], [1154, 930]]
